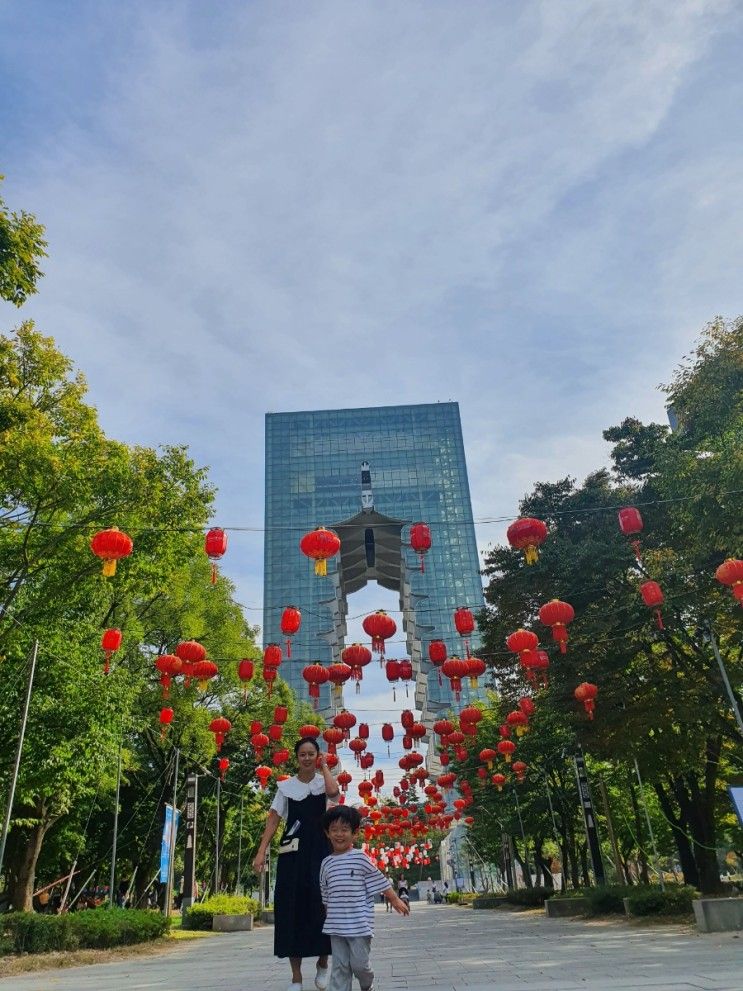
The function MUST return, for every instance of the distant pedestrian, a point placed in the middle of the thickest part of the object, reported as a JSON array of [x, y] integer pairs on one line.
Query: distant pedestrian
[[348, 883]]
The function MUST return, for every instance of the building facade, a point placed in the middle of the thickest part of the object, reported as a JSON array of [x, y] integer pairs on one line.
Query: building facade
[[413, 470]]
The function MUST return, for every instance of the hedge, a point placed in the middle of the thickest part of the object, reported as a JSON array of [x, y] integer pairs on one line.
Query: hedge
[[201, 915], [607, 899], [675, 900], [529, 897], [29, 932]]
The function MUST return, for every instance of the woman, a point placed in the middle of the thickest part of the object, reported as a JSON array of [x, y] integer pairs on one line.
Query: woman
[[298, 910]]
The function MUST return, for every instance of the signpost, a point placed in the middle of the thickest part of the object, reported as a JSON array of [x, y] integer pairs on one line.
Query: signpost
[[189, 857], [589, 817]]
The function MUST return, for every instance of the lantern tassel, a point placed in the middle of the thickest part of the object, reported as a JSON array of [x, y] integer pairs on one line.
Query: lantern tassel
[[214, 574], [423, 567], [659, 619], [288, 648], [109, 567], [636, 549], [321, 568]]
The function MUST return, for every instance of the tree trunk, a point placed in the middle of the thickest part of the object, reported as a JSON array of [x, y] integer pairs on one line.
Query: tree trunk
[[22, 874], [679, 826], [638, 830], [542, 865], [584, 864]]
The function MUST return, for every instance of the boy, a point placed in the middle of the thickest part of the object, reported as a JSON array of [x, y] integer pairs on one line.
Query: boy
[[348, 883]]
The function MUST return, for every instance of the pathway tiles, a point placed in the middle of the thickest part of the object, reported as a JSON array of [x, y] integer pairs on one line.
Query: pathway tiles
[[445, 949]]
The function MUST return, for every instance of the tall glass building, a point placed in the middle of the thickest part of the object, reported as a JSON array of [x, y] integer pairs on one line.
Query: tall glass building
[[413, 467]]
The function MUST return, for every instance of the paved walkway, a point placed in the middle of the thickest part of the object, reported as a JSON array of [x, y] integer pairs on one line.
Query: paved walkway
[[442, 947]]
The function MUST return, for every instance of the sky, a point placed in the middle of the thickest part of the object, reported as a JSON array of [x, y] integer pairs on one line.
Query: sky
[[531, 208]]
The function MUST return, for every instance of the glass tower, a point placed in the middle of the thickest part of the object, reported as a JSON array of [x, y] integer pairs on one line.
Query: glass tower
[[417, 470]]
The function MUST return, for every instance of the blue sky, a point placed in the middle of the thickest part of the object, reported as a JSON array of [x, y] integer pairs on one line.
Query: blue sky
[[531, 208]]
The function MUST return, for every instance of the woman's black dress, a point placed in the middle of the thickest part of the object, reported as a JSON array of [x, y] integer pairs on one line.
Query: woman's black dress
[[298, 909]]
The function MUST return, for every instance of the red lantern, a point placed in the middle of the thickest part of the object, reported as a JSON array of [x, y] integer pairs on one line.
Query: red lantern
[[272, 656], [338, 675], [363, 731], [110, 546], [730, 573], [275, 732], [315, 675], [291, 620], [346, 721], [392, 672], [380, 627], [465, 624], [527, 535], [406, 719], [245, 671], [586, 693], [557, 614], [220, 727], [499, 780], [536, 664], [437, 654], [333, 736], [190, 652], [269, 676], [331, 760], [263, 774], [215, 546], [475, 669], [308, 731], [455, 669], [281, 756], [224, 766], [527, 706], [259, 743], [519, 769], [366, 761], [388, 735], [407, 741], [420, 540], [166, 718], [169, 666], [519, 721], [358, 746], [470, 715], [522, 640], [365, 790], [256, 726], [442, 728], [487, 756], [110, 643], [406, 673], [630, 523], [344, 779], [203, 672], [506, 748], [357, 656], [320, 545], [652, 596], [505, 731]]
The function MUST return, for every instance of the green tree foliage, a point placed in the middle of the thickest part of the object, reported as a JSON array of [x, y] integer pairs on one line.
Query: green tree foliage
[[661, 698], [22, 247]]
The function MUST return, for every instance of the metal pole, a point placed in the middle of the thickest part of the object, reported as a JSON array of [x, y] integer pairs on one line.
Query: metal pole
[[650, 828], [14, 779], [216, 839], [527, 878], [116, 822], [171, 852], [238, 886], [726, 680]]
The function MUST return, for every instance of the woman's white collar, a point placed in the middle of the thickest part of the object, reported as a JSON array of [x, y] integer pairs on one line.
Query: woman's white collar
[[297, 790]]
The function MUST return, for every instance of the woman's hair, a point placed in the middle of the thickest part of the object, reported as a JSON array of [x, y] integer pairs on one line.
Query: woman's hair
[[306, 739], [346, 813]]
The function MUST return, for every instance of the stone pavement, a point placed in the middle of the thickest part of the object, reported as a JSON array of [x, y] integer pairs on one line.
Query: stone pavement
[[443, 947]]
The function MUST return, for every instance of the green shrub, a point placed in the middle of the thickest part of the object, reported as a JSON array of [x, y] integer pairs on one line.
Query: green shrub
[[607, 899], [201, 915], [453, 897], [675, 900], [28, 932], [529, 897]]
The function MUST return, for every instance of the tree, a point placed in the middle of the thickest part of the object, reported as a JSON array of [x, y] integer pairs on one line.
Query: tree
[[22, 246]]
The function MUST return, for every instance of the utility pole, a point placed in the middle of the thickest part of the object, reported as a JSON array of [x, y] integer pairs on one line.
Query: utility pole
[[173, 830], [19, 749], [116, 820], [238, 886], [726, 681], [589, 816], [650, 828], [216, 839]]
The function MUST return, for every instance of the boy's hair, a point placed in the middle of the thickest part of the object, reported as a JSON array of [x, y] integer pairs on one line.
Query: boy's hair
[[346, 813]]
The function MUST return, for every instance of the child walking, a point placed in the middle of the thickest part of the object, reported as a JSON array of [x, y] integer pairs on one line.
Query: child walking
[[349, 883]]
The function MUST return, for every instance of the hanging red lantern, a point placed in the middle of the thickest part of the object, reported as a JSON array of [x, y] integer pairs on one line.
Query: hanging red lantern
[[220, 727], [169, 666], [110, 643], [190, 652], [331, 760], [418, 731], [110, 546], [320, 545], [442, 728], [406, 673], [475, 669], [245, 670], [730, 573], [280, 714], [499, 780], [203, 672], [346, 721], [519, 769], [366, 761], [652, 596], [363, 731], [338, 675], [455, 669], [269, 676], [392, 673], [344, 779], [315, 675], [388, 735], [465, 624], [275, 732], [263, 774], [527, 535], [522, 640], [586, 693], [407, 741], [333, 736], [630, 523], [380, 627], [281, 756], [365, 789], [215, 547], [272, 656], [527, 706], [309, 731], [259, 742], [166, 718], [557, 614], [505, 731], [224, 766], [506, 748], [420, 540], [358, 746], [437, 654], [519, 721], [256, 726], [536, 664], [378, 780], [291, 620], [470, 715], [487, 756], [357, 656], [406, 719]]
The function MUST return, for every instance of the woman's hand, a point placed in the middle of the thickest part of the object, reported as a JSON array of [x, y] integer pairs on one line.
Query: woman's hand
[[259, 861], [321, 765]]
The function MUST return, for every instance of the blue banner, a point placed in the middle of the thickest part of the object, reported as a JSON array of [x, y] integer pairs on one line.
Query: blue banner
[[165, 845]]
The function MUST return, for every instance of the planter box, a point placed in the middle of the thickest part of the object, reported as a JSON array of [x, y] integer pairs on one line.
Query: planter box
[[490, 901], [718, 915], [564, 908], [232, 923], [267, 916]]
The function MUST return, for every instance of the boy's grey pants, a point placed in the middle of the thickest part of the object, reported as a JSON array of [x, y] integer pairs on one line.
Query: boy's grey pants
[[350, 956]]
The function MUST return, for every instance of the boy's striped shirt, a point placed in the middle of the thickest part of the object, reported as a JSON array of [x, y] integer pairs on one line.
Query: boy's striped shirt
[[348, 883]]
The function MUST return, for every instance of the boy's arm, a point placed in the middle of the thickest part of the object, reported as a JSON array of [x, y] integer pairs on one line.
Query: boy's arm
[[323, 885], [397, 903]]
